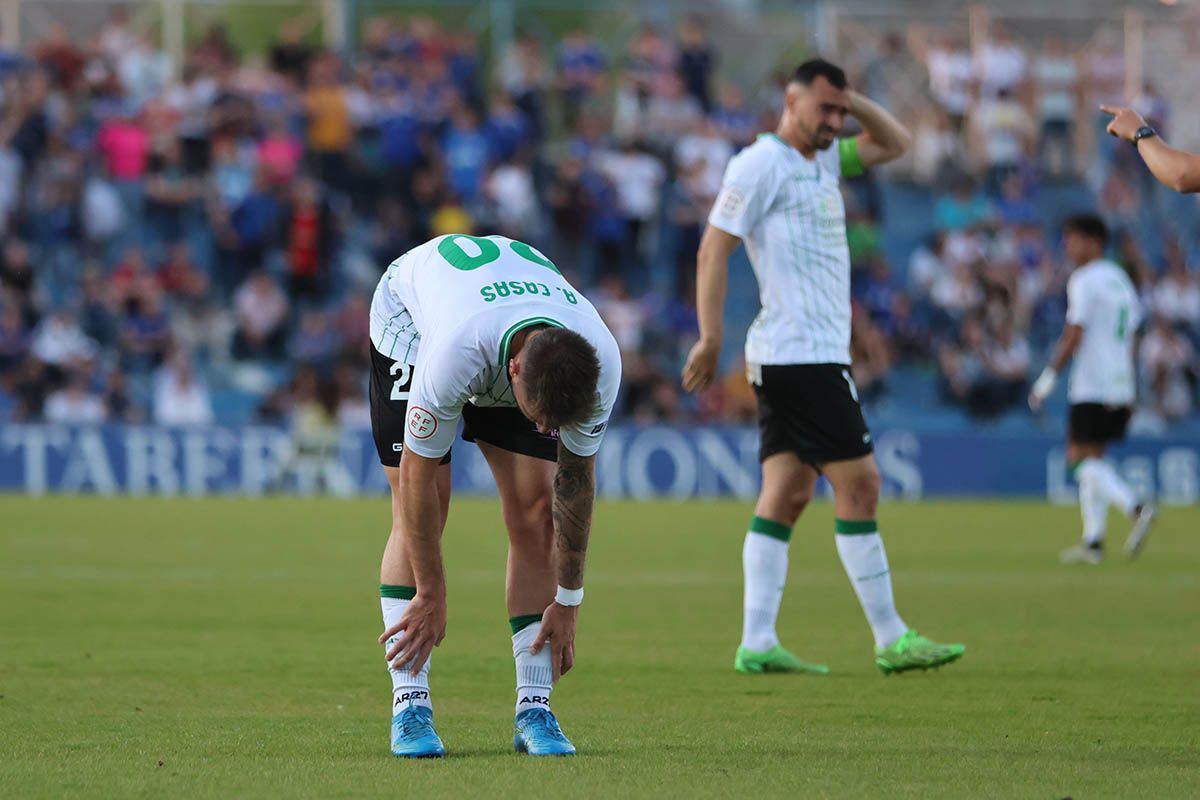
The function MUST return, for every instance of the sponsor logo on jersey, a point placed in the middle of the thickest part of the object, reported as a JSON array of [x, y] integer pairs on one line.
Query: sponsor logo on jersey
[[421, 424], [599, 428]]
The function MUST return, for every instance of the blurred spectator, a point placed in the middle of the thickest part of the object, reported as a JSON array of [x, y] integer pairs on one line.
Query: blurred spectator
[[261, 311], [697, 60], [1167, 362], [1057, 76], [937, 149], [964, 207], [329, 125], [870, 359], [1002, 135], [1176, 298], [638, 178], [75, 404], [951, 74], [733, 118], [581, 63], [525, 77], [290, 55], [466, 152], [309, 228], [180, 398], [59, 342], [1000, 63], [315, 341]]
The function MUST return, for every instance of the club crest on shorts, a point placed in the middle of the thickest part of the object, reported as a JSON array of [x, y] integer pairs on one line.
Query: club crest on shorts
[[421, 424]]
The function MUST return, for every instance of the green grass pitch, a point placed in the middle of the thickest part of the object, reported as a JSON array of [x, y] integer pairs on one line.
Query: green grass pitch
[[226, 648]]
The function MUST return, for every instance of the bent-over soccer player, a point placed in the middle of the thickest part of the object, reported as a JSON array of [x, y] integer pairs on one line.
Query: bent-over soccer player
[[781, 197], [486, 330]]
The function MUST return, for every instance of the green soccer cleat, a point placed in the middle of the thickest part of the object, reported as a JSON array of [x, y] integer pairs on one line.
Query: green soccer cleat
[[751, 662], [914, 651]]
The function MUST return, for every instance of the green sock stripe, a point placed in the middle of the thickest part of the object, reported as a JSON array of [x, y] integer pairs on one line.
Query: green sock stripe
[[397, 592], [856, 527], [769, 527], [522, 622]]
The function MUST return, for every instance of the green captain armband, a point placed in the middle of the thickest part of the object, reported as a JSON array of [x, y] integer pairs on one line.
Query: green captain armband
[[852, 164]]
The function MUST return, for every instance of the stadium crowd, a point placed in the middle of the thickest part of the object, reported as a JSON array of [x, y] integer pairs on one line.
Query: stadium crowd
[[172, 237]]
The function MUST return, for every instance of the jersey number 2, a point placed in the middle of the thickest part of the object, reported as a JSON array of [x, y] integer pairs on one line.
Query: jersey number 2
[[399, 388]]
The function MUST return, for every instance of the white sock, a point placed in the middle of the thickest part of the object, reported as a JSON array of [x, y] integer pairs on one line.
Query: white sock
[[1093, 508], [1108, 484], [865, 562], [405, 687], [533, 672], [764, 568]]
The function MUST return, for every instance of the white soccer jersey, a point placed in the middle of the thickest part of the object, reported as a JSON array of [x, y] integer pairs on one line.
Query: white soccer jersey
[[1102, 300], [789, 213], [451, 307]]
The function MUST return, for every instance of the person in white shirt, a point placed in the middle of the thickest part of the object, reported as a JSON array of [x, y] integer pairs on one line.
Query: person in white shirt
[[180, 398], [75, 405], [1102, 314], [487, 331], [781, 197]]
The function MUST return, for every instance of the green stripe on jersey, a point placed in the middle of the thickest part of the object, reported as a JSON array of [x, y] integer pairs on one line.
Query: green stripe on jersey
[[856, 527], [506, 340], [769, 527]]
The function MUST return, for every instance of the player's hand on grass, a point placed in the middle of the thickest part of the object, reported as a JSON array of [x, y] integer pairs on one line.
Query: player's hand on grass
[[701, 366], [558, 627], [1125, 122], [424, 626]]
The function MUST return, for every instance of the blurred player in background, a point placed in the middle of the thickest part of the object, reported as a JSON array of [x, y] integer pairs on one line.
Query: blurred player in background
[[1175, 168], [486, 330], [1102, 315], [781, 196]]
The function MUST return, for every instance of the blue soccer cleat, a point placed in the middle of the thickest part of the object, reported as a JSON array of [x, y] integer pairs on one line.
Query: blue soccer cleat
[[413, 735], [537, 733]]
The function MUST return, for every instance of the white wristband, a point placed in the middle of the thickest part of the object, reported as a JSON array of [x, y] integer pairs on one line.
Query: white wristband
[[1044, 385], [568, 597]]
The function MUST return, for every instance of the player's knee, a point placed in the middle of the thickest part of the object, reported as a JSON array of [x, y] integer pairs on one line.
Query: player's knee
[[863, 489], [798, 500], [529, 523]]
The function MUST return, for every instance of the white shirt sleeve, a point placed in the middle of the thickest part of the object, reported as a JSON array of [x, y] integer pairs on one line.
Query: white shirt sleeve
[[1077, 300], [583, 439], [440, 388], [747, 191]]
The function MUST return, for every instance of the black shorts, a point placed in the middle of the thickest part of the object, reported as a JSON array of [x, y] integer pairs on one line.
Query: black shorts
[[811, 410], [1096, 423], [506, 428]]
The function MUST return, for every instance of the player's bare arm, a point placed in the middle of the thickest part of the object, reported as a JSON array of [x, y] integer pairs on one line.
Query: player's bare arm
[[712, 278], [574, 496], [1067, 344], [424, 621], [883, 138], [1175, 168]]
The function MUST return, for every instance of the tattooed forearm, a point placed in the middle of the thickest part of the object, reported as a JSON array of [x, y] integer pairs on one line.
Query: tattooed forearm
[[574, 493]]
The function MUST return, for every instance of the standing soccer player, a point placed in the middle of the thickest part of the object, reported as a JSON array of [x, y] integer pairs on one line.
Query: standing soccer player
[[486, 330], [1102, 314], [781, 197]]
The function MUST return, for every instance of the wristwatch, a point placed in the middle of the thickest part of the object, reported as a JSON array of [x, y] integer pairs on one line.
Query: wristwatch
[[1144, 132]]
